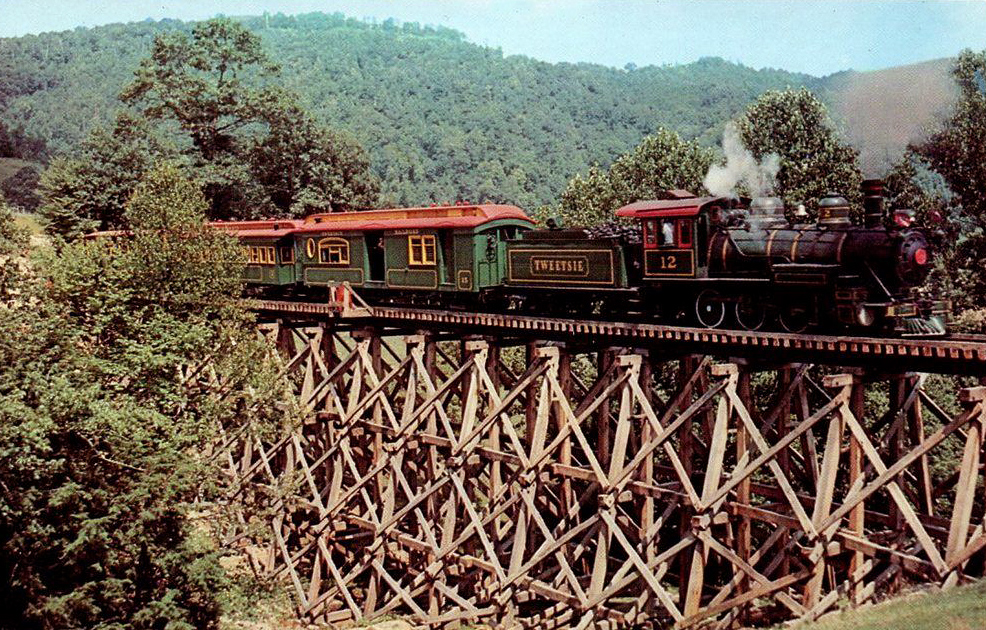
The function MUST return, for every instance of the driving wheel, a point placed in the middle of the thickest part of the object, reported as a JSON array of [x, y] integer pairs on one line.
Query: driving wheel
[[710, 309], [795, 318], [751, 313]]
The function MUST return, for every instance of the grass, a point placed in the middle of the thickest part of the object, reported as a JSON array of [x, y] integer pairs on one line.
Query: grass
[[30, 222], [961, 608]]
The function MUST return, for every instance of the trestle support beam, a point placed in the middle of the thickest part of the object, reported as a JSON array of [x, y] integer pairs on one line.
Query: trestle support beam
[[469, 483]]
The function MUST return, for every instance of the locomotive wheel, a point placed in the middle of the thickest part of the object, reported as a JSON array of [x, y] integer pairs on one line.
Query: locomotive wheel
[[751, 313], [795, 318], [710, 309]]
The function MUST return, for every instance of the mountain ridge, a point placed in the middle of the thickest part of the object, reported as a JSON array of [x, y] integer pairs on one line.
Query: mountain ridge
[[441, 118]]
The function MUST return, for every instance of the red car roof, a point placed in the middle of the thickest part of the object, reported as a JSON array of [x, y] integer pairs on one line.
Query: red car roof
[[273, 228], [671, 208], [435, 217]]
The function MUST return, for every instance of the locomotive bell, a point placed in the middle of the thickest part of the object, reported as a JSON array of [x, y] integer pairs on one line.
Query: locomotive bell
[[833, 211]]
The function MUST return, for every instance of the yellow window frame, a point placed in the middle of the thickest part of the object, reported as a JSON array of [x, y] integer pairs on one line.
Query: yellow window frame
[[287, 255], [333, 251], [421, 250]]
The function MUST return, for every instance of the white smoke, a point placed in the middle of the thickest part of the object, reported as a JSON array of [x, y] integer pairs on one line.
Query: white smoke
[[758, 178]]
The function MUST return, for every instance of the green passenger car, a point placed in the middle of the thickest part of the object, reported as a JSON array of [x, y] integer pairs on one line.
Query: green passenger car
[[268, 249], [457, 248]]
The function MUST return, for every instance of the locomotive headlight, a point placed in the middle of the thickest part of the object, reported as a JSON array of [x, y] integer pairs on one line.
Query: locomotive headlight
[[921, 256], [865, 315]]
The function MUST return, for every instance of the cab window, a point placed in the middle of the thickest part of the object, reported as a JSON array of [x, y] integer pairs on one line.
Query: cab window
[[684, 233], [287, 255], [650, 233], [665, 234]]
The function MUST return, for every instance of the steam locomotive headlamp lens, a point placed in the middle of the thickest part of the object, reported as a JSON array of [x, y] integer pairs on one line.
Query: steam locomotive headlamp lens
[[921, 256], [865, 315]]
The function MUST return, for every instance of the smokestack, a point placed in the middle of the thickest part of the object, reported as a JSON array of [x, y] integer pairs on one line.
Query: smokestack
[[873, 202]]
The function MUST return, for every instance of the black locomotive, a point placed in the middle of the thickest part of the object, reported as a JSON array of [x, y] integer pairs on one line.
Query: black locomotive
[[722, 262]]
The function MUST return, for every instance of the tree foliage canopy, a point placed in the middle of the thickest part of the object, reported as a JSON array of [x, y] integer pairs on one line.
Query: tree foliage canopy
[[957, 151], [91, 189], [663, 161], [209, 98], [215, 85], [20, 189], [794, 125], [100, 440]]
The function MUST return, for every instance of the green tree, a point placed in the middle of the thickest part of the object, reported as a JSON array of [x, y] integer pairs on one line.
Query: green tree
[[20, 189], [957, 151], [305, 167], [101, 444], [794, 125], [661, 162], [90, 190], [216, 86]]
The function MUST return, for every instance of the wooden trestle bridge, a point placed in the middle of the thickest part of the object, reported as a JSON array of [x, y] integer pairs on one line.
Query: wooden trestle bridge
[[558, 473]]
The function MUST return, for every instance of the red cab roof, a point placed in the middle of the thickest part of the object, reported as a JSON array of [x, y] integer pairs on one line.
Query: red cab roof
[[684, 207]]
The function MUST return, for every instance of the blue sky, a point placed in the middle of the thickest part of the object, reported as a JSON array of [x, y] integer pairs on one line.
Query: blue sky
[[814, 37]]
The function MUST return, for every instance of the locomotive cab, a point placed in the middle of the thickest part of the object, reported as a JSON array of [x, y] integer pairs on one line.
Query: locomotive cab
[[675, 234], [669, 246]]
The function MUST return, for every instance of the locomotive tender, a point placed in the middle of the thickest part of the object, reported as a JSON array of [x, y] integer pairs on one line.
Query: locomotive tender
[[714, 261]]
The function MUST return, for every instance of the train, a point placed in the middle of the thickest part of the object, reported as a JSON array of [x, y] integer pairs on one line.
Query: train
[[707, 261]]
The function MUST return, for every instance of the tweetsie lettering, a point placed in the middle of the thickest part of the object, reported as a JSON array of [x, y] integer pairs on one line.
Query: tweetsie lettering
[[575, 266]]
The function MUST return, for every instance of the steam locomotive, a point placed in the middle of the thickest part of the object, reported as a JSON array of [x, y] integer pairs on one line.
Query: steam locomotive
[[716, 262]]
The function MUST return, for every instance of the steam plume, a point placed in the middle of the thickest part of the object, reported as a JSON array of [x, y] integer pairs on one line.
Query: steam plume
[[758, 178]]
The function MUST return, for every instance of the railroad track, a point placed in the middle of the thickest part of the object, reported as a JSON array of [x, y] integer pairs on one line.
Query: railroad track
[[964, 354]]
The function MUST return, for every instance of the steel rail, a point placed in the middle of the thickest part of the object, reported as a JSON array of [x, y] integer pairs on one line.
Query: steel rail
[[962, 355]]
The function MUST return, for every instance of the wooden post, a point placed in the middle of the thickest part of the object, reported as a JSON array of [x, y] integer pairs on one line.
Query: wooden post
[[743, 494], [604, 359], [826, 488], [965, 489], [686, 367], [530, 409], [857, 517], [915, 431]]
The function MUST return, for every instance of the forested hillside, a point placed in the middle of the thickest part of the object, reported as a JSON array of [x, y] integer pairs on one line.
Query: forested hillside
[[441, 118]]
